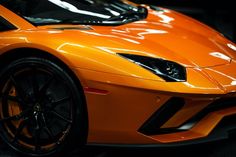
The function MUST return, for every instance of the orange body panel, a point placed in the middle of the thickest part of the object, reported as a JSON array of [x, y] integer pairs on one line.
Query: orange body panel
[[131, 93]]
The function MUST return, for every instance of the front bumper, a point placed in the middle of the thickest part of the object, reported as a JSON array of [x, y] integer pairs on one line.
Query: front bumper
[[118, 114]]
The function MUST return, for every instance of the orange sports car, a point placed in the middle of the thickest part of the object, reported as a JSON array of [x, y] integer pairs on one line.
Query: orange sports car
[[111, 73]]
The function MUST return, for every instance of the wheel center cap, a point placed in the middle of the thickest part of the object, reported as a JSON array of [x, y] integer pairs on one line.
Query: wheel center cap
[[37, 107]]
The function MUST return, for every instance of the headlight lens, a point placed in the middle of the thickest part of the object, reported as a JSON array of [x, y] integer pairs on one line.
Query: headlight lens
[[167, 70]]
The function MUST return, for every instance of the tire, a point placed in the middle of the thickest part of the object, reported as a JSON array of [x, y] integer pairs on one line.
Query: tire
[[42, 112]]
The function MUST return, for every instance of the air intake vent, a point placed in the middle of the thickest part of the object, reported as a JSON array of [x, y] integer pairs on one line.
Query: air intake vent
[[153, 125]]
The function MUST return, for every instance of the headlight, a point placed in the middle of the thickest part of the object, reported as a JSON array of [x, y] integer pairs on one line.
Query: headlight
[[168, 70]]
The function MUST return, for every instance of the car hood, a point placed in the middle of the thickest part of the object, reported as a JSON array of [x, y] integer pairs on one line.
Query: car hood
[[164, 34]]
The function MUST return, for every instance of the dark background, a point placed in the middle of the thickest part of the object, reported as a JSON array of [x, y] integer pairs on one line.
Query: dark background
[[219, 14]]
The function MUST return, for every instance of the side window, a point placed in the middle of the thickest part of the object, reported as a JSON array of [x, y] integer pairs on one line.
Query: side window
[[5, 25]]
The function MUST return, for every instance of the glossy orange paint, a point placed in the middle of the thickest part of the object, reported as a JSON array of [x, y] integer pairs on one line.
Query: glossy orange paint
[[122, 95]]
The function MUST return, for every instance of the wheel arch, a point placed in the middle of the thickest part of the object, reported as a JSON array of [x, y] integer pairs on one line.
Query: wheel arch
[[18, 53]]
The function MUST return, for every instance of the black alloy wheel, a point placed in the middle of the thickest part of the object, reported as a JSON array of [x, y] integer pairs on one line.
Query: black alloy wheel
[[41, 108]]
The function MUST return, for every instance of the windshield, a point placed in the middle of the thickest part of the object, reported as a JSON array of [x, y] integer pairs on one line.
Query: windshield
[[97, 12]]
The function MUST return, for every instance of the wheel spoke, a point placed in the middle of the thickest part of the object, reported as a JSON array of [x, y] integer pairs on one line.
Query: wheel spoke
[[37, 132], [19, 89], [46, 85], [49, 132], [37, 140], [19, 130], [35, 83], [46, 128], [14, 99], [61, 117], [15, 117], [58, 102]]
